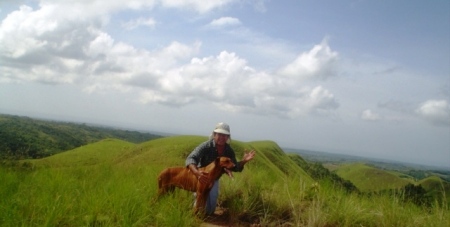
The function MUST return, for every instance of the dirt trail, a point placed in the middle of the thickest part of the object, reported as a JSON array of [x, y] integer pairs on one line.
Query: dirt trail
[[222, 218], [218, 219]]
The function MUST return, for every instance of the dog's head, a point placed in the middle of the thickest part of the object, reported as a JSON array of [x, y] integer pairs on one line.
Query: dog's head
[[226, 164]]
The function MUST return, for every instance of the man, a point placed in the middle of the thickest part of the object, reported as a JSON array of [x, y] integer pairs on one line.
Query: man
[[218, 145]]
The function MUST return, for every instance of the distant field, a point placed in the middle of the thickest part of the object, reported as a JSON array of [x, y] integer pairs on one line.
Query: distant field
[[403, 170], [326, 157]]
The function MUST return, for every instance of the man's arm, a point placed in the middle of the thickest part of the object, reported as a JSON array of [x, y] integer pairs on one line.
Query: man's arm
[[192, 161], [248, 156], [194, 156], [201, 176]]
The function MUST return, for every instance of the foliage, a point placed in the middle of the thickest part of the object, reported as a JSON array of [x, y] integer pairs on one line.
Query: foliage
[[417, 195], [23, 137]]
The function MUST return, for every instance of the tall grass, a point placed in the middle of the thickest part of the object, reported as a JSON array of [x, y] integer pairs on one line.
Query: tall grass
[[381, 210], [89, 196], [107, 195], [294, 202], [121, 190]]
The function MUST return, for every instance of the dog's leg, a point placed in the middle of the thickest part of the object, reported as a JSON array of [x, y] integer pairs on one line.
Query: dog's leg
[[200, 203]]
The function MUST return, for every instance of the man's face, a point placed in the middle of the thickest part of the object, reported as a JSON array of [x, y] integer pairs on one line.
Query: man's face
[[220, 139]]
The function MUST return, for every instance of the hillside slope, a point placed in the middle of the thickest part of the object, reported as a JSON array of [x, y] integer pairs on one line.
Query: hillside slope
[[172, 151], [436, 187], [272, 153], [367, 178], [23, 137], [96, 153]]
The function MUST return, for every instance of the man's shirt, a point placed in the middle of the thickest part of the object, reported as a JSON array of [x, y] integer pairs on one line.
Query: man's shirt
[[206, 153]]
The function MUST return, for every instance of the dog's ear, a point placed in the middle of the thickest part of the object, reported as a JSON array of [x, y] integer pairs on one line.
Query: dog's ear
[[217, 161]]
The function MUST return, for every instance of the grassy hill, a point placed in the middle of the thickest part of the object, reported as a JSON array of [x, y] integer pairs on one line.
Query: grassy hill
[[23, 137], [367, 178], [170, 151], [263, 183], [103, 151], [113, 183], [436, 187], [370, 179]]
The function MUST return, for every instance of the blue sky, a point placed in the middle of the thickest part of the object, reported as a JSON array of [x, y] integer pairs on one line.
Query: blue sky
[[367, 78]]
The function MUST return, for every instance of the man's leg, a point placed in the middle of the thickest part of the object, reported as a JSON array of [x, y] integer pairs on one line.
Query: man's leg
[[211, 202]]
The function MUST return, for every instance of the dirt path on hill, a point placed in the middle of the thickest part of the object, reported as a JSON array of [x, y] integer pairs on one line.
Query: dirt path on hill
[[222, 218]]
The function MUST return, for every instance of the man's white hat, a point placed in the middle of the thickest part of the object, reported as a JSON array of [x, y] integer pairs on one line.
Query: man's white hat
[[222, 128]]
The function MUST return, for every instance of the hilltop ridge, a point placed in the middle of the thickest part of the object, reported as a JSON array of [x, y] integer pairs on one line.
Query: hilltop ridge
[[170, 151]]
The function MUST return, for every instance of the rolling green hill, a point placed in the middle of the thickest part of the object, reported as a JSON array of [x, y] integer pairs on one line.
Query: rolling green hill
[[272, 157], [113, 182], [367, 178], [23, 137], [436, 187], [108, 177], [170, 151], [91, 154], [432, 182]]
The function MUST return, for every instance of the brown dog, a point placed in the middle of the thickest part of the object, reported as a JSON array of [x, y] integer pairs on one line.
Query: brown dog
[[183, 178]]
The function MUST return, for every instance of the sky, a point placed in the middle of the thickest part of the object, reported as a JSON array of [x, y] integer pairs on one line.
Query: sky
[[357, 77]]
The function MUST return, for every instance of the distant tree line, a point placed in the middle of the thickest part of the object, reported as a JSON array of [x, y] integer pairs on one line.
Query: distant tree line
[[23, 137]]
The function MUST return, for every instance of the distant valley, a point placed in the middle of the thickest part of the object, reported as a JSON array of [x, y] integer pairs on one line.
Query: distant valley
[[331, 159]]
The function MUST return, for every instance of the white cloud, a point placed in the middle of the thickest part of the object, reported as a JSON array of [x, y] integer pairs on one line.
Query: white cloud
[[91, 12], [436, 112], [48, 46], [19, 29], [321, 100], [133, 24], [38, 45], [368, 115], [232, 85], [318, 63], [200, 6], [225, 21], [86, 10]]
